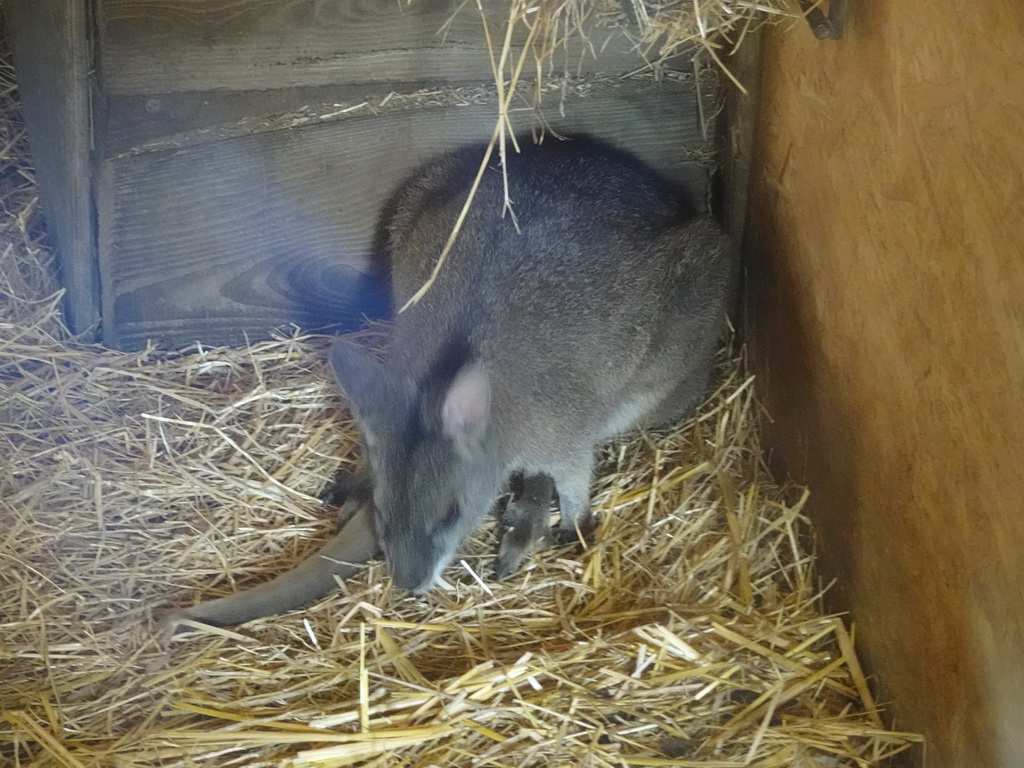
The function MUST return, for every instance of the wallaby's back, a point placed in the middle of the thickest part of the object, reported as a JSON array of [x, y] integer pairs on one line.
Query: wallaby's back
[[613, 283]]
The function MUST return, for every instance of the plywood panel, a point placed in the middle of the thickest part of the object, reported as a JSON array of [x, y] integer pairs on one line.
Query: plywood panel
[[887, 321], [50, 42], [159, 120], [247, 233], [139, 124], [152, 46]]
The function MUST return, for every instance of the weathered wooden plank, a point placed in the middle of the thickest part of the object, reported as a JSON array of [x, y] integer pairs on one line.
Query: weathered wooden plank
[[137, 124], [737, 136], [152, 46], [887, 298], [253, 232], [49, 39], [736, 153]]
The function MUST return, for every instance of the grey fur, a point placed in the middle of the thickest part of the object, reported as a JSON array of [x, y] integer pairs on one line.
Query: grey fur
[[530, 349]]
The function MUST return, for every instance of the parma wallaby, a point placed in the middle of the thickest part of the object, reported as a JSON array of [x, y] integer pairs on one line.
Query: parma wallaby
[[597, 307], [600, 307]]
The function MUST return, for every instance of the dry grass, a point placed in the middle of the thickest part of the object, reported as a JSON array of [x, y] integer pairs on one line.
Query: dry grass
[[668, 28], [690, 628], [690, 634]]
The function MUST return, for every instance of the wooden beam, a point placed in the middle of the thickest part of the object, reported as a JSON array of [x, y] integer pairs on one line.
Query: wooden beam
[[738, 137], [153, 46], [50, 42], [736, 150]]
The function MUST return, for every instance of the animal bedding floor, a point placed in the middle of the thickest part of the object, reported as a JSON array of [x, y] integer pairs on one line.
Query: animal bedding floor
[[689, 634]]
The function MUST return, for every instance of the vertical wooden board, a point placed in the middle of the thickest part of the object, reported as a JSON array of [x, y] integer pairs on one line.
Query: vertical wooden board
[[152, 46], [737, 136], [49, 39], [250, 233], [730, 184], [887, 293]]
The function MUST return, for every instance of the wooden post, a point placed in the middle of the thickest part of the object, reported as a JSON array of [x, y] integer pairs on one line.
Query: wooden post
[[50, 42]]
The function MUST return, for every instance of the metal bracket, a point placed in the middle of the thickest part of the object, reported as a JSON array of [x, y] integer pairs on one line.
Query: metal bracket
[[825, 27]]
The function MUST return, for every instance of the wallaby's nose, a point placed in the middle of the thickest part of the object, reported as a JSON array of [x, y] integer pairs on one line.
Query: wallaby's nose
[[411, 574]]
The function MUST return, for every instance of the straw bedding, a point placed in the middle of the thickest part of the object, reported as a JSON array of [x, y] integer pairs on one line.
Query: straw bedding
[[688, 634]]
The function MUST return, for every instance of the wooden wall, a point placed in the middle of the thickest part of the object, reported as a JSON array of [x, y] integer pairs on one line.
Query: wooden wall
[[244, 148], [886, 304]]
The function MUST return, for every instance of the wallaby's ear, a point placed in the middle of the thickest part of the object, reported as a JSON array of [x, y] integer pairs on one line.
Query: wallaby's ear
[[466, 409], [374, 392], [357, 371]]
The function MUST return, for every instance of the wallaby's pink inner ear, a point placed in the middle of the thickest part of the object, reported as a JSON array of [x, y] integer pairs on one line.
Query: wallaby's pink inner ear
[[467, 406]]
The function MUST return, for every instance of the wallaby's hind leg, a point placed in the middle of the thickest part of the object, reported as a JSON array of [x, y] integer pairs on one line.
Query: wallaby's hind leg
[[526, 522], [572, 481], [680, 401]]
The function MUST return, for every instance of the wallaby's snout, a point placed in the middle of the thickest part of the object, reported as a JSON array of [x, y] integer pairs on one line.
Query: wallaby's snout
[[415, 564]]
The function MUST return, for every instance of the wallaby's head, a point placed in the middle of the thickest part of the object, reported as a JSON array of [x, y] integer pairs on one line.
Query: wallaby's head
[[435, 474]]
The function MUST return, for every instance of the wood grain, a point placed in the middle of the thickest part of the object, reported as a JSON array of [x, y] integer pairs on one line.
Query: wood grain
[[152, 46], [887, 303], [736, 135], [735, 139], [49, 39], [245, 234], [137, 123]]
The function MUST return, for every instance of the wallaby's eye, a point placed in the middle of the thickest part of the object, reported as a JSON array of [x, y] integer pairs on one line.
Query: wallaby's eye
[[450, 517]]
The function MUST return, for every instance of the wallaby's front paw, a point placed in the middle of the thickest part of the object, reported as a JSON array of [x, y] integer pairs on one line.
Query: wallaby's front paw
[[350, 491], [526, 524], [336, 491], [511, 554]]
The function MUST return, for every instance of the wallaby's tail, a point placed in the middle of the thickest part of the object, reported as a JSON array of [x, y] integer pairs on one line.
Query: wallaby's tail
[[342, 556]]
